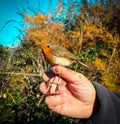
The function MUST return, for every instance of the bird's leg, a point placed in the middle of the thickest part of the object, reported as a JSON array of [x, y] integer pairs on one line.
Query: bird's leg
[[48, 83], [50, 75], [57, 85], [58, 82]]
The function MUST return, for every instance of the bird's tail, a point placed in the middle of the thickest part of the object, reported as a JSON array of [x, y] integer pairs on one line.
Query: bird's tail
[[84, 65]]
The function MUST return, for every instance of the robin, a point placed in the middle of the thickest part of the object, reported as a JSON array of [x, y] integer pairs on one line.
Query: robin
[[57, 55]]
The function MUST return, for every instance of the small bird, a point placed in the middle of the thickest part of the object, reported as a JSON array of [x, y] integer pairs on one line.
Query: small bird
[[57, 55]]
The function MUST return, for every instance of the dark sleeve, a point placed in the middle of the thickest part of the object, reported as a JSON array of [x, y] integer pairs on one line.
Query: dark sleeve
[[109, 107]]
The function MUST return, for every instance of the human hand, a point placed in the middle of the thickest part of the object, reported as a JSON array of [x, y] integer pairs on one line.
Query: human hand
[[76, 96]]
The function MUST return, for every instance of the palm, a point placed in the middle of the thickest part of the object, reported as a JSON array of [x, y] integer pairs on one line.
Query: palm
[[73, 101]]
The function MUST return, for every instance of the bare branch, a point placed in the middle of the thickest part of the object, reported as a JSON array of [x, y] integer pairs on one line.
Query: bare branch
[[25, 74]]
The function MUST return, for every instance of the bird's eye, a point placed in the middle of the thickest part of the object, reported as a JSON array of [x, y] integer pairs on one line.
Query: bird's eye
[[48, 46]]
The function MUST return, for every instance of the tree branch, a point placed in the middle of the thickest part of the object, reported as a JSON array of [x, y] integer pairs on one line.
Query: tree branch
[[25, 74]]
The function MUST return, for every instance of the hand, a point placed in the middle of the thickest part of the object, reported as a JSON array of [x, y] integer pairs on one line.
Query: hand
[[76, 96]]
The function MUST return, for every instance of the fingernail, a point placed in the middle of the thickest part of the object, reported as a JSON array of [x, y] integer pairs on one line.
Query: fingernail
[[55, 69]]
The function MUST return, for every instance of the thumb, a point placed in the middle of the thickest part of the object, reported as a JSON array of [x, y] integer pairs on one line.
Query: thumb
[[67, 74]]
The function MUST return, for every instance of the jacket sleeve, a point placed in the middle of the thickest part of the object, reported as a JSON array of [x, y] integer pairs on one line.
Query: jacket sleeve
[[109, 107]]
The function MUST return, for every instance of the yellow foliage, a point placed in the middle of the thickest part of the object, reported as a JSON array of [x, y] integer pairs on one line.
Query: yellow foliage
[[45, 31], [109, 80], [100, 64], [74, 34], [17, 81], [38, 19], [28, 18], [16, 78], [92, 31], [105, 53], [28, 69], [36, 34]]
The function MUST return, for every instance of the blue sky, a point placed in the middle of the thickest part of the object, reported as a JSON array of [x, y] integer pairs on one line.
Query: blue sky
[[8, 8]]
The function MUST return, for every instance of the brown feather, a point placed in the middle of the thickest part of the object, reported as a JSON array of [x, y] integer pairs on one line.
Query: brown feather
[[64, 52]]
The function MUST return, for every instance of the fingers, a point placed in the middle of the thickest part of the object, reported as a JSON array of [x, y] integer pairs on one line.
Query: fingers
[[53, 79], [55, 100], [51, 90], [67, 74]]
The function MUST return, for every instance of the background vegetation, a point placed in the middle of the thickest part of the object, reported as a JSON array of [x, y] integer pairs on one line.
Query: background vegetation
[[92, 32]]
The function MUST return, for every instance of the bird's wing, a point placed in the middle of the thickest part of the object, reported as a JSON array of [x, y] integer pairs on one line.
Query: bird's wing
[[63, 52]]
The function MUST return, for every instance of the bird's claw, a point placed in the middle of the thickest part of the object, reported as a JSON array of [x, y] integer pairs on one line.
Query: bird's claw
[[48, 83], [57, 87], [57, 84]]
